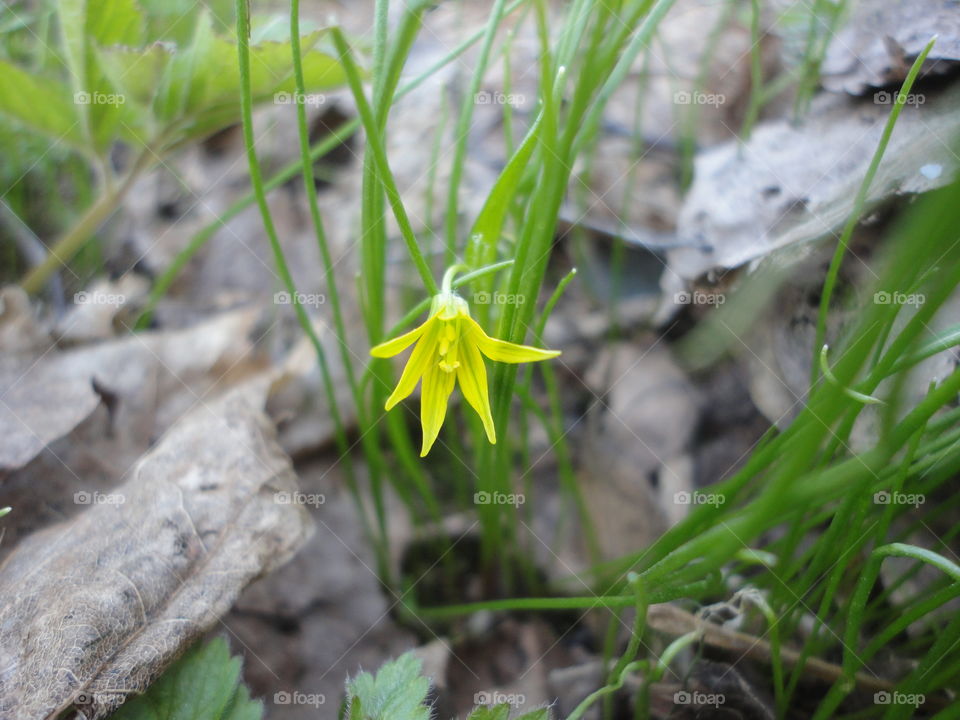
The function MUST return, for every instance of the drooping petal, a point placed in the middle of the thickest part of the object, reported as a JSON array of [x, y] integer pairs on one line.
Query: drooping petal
[[472, 376], [399, 344], [503, 351], [437, 386], [422, 356]]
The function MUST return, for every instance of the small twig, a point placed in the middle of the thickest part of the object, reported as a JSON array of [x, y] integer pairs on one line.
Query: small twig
[[672, 620]]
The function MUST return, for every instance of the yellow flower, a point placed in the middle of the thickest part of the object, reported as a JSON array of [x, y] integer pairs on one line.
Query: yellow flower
[[449, 347]]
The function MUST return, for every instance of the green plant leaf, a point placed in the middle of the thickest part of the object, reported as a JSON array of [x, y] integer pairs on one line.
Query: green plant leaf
[[494, 712], [43, 106], [270, 71], [174, 91], [72, 15], [174, 20], [397, 692], [115, 22], [197, 88], [485, 233], [502, 712], [489, 223], [202, 685]]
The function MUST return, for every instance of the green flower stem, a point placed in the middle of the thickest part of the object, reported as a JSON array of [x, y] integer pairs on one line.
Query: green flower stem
[[73, 241], [256, 181], [372, 449], [424, 304], [756, 74], [446, 286], [462, 131], [166, 279], [375, 143]]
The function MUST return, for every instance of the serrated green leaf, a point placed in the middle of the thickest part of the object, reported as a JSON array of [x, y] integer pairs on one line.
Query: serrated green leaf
[[541, 714], [502, 712], [271, 71], [180, 73], [203, 685], [115, 22], [44, 106], [398, 692], [495, 712], [174, 20], [112, 111], [136, 72], [72, 17]]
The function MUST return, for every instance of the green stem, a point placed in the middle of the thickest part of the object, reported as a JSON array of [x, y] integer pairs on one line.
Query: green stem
[[463, 128], [380, 157], [75, 238], [858, 205], [256, 182]]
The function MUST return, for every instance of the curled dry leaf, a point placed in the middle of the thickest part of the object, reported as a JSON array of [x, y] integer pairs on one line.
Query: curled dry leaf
[[44, 398], [793, 184], [97, 607], [882, 39]]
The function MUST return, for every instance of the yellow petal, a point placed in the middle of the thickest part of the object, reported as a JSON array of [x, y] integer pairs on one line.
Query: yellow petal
[[503, 351], [399, 344], [423, 354], [437, 386], [472, 375]]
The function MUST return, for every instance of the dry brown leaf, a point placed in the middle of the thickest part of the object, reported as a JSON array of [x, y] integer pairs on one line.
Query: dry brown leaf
[[93, 312], [789, 185], [100, 605], [43, 399], [882, 38], [638, 433]]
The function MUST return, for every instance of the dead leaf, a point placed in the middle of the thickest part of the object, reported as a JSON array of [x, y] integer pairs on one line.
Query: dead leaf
[[790, 185], [43, 399], [100, 605], [643, 415], [91, 316], [882, 38]]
